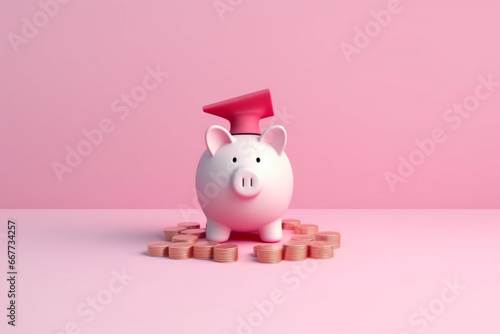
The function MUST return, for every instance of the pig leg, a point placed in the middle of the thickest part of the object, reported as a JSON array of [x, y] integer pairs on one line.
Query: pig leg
[[271, 232], [217, 232]]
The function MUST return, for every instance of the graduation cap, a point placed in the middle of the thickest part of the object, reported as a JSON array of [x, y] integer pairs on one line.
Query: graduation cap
[[244, 112]]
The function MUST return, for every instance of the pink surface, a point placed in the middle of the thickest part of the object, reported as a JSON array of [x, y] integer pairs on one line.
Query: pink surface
[[392, 266], [355, 106]]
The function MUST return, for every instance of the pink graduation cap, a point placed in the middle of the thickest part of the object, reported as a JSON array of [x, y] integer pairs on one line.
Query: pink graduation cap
[[244, 112]]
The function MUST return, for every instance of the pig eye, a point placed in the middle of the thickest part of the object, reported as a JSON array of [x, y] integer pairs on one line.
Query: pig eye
[[258, 159], [234, 159]]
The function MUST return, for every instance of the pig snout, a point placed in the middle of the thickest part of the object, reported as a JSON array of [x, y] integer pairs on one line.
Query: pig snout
[[245, 183]]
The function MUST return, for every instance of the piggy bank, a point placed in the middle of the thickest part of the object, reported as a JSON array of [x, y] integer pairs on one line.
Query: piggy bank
[[244, 181]]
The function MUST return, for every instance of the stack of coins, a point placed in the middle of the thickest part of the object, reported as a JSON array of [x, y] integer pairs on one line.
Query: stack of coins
[[303, 237], [226, 253], [330, 236], [270, 253], [189, 225], [158, 248], [306, 229], [320, 250], [256, 249], [289, 223], [185, 238], [294, 250], [199, 232], [181, 242], [169, 232], [180, 250], [204, 250]]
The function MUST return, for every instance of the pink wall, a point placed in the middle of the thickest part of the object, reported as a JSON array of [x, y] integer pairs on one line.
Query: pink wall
[[353, 105]]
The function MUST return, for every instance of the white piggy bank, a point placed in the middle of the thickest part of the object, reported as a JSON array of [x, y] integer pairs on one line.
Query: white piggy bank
[[244, 183]]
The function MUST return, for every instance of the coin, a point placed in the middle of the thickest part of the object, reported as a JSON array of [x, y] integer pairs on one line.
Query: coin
[[320, 250], [169, 232], [199, 232], [289, 223], [256, 249], [330, 236], [184, 238], [189, 225], [204, 250], [304, 237], [158, 248], [180, 250], [258, 246], [306, 229], [226, 253], [295, 250], [270, 253]]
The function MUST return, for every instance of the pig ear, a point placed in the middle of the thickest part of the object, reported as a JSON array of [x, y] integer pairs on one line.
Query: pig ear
[[215, 137], [276, 137]]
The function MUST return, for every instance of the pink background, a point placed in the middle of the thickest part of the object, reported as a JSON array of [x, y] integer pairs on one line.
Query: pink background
[[349, 121]]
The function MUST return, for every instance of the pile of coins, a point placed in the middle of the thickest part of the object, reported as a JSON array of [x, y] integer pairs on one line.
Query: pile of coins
[[185, 238], [289, 224], [295, 250], [333, 237], [226, 253], [321, 250], [180, 250], [158, 248], [189, 225], [303, 237], [198, 232], [306, 242], [306, 229], [169, 232], [204, 250], [272, 253], [183, 242]]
